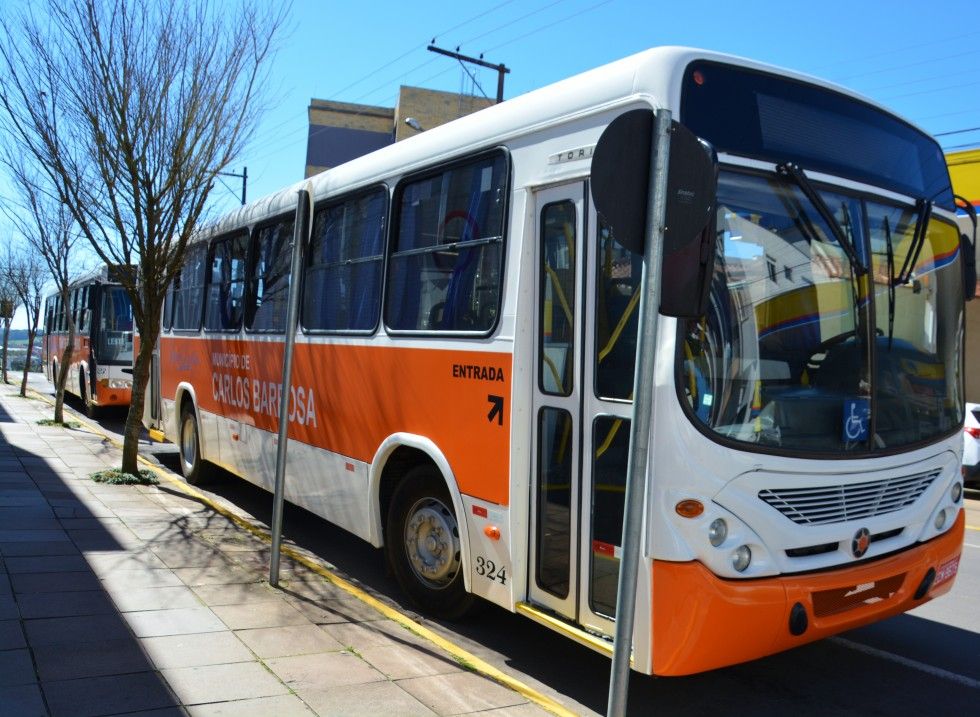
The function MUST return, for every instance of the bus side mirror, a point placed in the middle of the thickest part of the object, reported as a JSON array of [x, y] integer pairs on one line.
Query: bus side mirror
[[968, 248], [620, 186]]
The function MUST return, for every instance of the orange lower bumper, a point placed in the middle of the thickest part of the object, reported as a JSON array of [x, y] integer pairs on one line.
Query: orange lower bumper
[[701, 622], [105, 396]]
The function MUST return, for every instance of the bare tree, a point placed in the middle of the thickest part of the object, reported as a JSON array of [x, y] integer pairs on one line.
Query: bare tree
[[48, 228], [8, 306], [28, 278], [131, 108]]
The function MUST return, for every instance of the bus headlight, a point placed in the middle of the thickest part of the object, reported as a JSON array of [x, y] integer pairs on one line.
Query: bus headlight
[[717, 532], [120, 383], [741, 558], [956, 492], [940, 519]]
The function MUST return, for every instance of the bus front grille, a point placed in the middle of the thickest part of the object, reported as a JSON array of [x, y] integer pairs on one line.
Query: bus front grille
[[841, 503]]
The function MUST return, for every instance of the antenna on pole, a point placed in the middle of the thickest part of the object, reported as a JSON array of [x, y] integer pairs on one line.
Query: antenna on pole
[[243, 176], [501, 69]]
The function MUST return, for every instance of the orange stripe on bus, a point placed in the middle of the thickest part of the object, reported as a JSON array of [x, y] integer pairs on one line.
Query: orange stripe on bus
[[348, 399]]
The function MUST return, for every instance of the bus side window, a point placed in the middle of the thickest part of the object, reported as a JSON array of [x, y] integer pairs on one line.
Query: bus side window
[[445, 266], [188, 290], [342, 290], [226, 284], [269, 277]]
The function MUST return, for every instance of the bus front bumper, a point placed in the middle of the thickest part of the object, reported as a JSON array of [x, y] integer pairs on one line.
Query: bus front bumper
[[702, 622]]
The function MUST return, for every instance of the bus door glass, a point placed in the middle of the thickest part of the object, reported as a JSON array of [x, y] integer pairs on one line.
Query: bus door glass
[[609, 346], [553, 573]]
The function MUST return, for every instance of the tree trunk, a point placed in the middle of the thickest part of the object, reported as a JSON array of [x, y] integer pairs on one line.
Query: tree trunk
[[134, 419], [62, 378], [31, 335], [6, 339]]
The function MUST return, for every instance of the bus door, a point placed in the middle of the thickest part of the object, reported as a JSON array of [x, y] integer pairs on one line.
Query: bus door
[[585, 343]]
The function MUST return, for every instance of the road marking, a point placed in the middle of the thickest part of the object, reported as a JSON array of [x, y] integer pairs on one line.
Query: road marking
[[477, 664], [973, 527], [907, 662], [971, 545]]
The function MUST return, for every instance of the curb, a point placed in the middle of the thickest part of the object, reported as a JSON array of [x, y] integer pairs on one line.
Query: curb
[[466, 658]]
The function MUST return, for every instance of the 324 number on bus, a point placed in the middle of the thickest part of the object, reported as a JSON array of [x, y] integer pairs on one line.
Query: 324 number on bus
[[489, 570]]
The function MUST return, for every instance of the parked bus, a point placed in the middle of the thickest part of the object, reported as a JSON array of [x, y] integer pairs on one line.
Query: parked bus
[[101, 371], [464, 367]]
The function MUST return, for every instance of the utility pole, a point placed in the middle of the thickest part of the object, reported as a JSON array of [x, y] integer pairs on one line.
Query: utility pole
[[501, 69], [243, 176]]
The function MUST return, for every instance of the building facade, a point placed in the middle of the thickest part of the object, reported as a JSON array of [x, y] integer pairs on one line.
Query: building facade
[[342, 131]]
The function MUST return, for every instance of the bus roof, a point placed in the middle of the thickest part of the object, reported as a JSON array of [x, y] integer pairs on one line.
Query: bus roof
[[655, 74]]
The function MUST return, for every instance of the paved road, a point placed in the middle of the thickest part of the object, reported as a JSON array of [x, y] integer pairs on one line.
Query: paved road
[[924, 662]]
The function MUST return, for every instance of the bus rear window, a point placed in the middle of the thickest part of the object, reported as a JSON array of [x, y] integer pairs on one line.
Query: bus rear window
[[776, 119]]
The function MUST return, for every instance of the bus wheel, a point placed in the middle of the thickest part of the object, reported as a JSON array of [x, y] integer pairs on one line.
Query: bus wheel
[[196, 470], [423, 546], [91, 410]]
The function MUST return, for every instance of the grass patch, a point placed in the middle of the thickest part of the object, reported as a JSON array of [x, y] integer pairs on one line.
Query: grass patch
[[52, 422], [114, 476], [464, 663]]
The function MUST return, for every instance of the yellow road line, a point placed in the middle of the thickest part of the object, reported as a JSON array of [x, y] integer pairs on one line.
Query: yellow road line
[[477, 664]]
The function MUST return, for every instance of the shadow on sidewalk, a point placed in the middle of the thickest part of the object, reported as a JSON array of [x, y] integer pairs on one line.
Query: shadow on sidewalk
[[65, 648]]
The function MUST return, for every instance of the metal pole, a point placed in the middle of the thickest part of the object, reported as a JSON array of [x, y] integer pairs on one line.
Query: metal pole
[[292, 313], [244, 183], [636, 475], [501, 71]]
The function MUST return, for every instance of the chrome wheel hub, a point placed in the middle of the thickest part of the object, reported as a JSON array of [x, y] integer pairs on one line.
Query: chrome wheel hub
[[432, 542], [188, 443]]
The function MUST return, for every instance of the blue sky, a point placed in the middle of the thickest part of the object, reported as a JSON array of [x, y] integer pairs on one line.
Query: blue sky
[[922, 64], [921, 60]]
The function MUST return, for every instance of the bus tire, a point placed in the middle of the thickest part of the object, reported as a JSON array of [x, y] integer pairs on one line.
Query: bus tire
[[423, 546], [195, 469], [91, 410]]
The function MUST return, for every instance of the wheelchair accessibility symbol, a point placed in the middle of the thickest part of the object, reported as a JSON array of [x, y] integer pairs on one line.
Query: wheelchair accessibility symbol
[[856, 414]]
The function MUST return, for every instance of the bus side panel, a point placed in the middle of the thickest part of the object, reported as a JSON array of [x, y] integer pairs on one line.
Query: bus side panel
[[349, 398]]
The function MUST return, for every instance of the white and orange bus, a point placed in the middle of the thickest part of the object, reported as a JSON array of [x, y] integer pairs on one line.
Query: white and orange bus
[[464, 366], [101, 371]]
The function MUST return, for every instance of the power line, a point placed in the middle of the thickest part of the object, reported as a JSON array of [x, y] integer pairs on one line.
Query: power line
[[549, 25], [957, 131], [907, 65], [944, 41], [417, 47], [930, 91]]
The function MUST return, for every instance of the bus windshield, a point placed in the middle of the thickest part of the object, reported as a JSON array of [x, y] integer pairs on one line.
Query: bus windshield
[[115, 334], [807, 349]]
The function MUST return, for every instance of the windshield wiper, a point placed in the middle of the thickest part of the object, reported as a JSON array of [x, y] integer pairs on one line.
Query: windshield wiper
[[891, 281], [795, 173], [923, 208]]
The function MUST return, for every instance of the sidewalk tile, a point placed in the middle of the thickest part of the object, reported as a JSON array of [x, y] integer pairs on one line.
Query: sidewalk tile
[[104, 562], [375, 632], [270, 642], [215, 576], [16, 668], [381, 698], [54, 582], [459, 693], [402, 661], [60, 547], [236, 593], [119, 580], [46, 564], [175, 621], [339, 610], [278, 706], [209, 648], [528, 709], [164, 598], [11, 635], [32, 536], [89, 659], [263, 614], [23, 701], [107, 695], [66, 604], [219, 683], [318, 672], [87, 628]]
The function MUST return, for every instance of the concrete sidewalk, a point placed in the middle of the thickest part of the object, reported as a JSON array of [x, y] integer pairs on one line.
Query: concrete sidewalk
[[141, 600]]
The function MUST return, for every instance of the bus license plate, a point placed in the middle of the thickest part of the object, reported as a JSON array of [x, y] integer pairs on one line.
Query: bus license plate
[[946, 571]]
